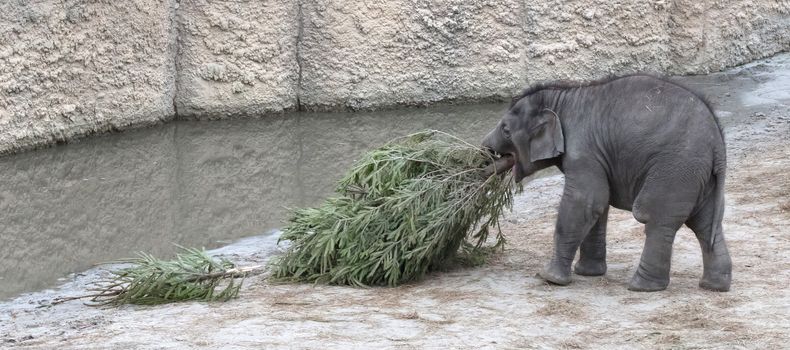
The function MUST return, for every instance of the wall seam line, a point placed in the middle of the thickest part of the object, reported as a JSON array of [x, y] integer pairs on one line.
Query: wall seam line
[[299, 38], [177, 53]]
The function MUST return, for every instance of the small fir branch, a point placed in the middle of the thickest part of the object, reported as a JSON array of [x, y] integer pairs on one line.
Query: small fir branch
[[192, 275]]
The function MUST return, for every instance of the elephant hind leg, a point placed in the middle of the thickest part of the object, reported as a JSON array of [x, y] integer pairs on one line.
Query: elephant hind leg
[[663, 205], [592, 252], [716, 262], [652, 274]]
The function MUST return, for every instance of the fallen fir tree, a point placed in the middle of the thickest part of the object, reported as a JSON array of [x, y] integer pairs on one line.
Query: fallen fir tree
[[414, 205], [406, 208]]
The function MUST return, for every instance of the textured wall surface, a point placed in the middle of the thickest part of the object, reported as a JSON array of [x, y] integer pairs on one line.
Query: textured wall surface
[[374, 53], [236, 57], [70, 68], [589, 39], [74, 67], [711, 35]]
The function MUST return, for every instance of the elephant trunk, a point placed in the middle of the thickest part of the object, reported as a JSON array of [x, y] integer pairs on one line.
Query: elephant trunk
[[500, 165]]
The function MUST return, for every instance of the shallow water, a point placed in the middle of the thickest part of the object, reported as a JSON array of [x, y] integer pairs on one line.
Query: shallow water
[[192, 183]]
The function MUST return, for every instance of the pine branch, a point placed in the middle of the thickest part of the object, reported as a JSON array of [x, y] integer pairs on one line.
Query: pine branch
[[192, 275]]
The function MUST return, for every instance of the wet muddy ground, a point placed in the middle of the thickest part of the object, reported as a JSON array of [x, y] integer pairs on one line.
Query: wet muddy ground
[[503, 304]]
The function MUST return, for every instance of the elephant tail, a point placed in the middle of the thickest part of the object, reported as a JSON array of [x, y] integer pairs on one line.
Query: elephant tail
[[719, 174]]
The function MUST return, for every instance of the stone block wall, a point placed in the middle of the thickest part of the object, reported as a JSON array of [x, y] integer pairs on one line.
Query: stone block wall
[[378, 53], [75, 67], [236, 58], [71, 68]]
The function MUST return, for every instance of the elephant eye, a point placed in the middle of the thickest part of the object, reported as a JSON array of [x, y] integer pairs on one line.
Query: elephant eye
[[505, 130]]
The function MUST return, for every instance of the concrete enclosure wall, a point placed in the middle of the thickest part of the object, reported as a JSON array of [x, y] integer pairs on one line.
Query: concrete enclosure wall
[[236, 57], [74, 67], [70, 68]]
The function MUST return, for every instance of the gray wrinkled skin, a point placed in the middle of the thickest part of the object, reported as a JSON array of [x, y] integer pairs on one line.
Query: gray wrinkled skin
[[637, 143]]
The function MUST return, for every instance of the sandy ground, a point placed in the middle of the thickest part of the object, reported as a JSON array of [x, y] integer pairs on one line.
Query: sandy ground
[[503, 304]]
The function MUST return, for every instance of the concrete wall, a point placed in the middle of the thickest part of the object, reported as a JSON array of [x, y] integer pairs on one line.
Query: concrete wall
[[74, 67], [376, 53], [371, 54], [236, 57], [70, 68]]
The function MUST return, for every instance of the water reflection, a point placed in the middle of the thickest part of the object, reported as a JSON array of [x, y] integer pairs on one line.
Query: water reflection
[[66, 208]]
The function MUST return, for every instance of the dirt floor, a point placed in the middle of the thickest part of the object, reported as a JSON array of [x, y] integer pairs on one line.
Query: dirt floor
[[503, 304]]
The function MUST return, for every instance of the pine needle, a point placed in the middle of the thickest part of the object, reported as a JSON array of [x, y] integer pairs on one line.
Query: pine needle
[[404, 209]]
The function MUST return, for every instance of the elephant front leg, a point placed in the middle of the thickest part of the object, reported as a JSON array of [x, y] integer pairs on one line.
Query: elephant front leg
[[579, 212], [592, 253]]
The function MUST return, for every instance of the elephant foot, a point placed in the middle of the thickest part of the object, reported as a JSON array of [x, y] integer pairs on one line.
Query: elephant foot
[[586, 267], [716, 282], [641, 284], [555, 274], [717, 272]]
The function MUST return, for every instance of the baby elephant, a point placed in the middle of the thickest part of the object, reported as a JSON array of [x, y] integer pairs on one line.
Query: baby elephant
[[637, 143]]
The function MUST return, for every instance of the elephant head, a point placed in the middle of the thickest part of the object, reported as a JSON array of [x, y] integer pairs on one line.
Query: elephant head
[[531, 133]]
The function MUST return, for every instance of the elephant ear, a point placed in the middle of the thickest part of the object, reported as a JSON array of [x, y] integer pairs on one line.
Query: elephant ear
[[546, 138]]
